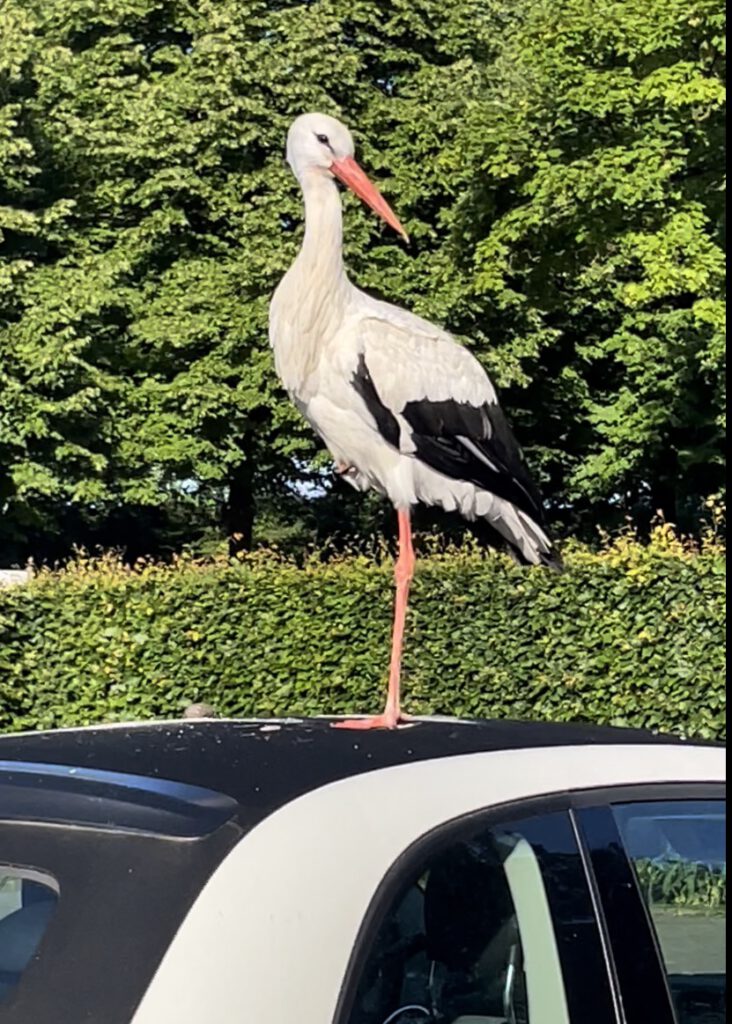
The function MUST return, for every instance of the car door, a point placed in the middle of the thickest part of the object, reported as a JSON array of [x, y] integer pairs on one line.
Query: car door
[[597, 906]]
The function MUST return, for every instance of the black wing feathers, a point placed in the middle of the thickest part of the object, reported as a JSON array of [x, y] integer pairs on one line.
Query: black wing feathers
[[442, 419], [460, 440], [386, 421], [473, 443]]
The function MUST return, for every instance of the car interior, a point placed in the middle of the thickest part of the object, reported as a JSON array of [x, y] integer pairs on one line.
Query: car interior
[[450, 952]]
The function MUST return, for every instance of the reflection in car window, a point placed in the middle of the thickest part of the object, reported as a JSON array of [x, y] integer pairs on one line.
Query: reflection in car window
[[679, 853], [480, 933], [27, 901]]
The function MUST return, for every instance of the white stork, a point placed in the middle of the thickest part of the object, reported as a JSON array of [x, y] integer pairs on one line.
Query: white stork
[[401, 406]]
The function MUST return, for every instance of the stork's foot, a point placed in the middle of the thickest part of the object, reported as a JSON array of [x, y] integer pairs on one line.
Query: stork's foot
[[390, 719]]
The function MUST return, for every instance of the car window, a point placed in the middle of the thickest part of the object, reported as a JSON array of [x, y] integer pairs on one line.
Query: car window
[[485, 931], [678, 851], [27, 901]]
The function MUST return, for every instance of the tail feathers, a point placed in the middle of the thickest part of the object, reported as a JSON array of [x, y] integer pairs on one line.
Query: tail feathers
[[522, 538], [539, 545]]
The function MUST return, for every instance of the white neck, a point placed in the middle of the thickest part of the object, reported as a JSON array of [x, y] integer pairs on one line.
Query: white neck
[[311, 300], [321, 255]]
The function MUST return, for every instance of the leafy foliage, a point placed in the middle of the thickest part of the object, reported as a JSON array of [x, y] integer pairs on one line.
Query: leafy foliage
[[559, 170], [598, 246], [632, 634]]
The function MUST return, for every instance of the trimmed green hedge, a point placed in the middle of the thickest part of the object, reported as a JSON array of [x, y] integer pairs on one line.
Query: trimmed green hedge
[[633, 634]]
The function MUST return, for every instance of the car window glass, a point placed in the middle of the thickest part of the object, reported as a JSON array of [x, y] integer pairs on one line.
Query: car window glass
[[480, 932], [27, 901], [678, 851]]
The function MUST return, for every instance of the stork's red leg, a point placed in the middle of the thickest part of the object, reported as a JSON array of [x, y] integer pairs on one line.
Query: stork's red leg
[[403, 572]]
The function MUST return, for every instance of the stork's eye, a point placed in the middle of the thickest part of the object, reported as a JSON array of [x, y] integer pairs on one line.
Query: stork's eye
[[323, 139]]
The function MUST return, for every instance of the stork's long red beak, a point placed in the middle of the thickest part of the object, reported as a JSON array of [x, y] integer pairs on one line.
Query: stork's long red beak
[[348, 171]]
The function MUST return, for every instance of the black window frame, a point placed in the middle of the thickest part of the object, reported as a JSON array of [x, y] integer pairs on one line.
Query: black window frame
[[577, 805]]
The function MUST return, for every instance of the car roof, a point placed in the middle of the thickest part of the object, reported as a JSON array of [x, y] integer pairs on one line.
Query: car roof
[[264, 763]]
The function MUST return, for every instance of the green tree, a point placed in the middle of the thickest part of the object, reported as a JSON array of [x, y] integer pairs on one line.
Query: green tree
[[594, 233], [29, 226]]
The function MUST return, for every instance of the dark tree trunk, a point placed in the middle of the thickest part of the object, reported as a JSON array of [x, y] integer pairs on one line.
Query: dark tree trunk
[[238, 512], [664, 488]]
